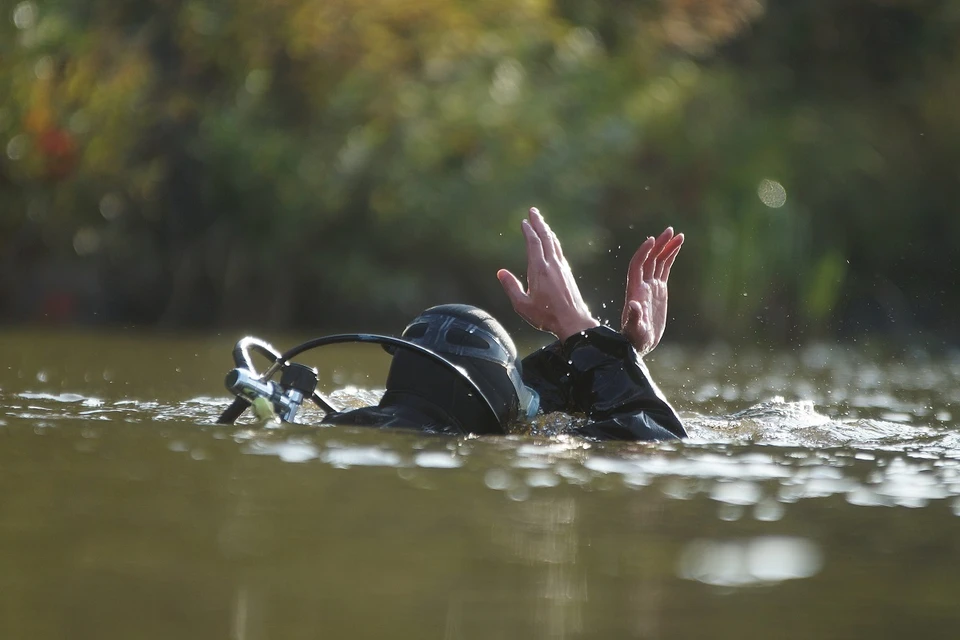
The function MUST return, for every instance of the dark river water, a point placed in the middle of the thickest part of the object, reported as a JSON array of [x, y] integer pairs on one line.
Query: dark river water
[[818, 497]]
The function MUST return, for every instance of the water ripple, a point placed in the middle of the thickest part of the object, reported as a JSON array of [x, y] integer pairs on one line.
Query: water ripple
[[758, 459]]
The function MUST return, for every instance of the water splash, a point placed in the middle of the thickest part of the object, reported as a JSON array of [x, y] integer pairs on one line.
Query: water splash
[[874, 447]]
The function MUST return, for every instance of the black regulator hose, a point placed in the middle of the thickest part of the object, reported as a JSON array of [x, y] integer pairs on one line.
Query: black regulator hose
[[234, 411], [241, 352], [383, 340], [241, 357]]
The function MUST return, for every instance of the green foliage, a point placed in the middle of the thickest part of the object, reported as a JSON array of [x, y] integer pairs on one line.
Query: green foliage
[[375, 156]]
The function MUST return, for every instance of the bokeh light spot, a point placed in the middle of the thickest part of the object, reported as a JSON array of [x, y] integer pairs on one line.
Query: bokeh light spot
[[111, 206], [772, 193], [507, 82], [750, 562], [44, 68], [257, 82], [579, 46], [17, 147], [25, 15], [86, 241]]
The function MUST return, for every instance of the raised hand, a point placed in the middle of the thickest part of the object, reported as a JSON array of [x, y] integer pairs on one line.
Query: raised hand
[[552, 301], [644, 316]]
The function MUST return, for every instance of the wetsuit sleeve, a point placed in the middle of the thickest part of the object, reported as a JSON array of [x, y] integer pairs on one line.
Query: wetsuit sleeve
[[599, 373], [547, 372]]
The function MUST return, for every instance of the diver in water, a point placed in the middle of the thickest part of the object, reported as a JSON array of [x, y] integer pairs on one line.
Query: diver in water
[[590, 369]]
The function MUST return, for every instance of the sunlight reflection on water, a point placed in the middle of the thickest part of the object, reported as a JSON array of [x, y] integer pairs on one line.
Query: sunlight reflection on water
[[535, 527], [804, 454], [753, 562]]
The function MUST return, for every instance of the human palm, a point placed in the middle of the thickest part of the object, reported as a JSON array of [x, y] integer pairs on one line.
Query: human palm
[[552, 300], [644, 316]]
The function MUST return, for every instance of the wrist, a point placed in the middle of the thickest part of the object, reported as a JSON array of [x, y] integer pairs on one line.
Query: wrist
[[576, 325], [602, 337]]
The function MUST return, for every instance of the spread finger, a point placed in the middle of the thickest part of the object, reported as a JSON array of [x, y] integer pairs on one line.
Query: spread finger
[[668, 253], [668, 262], [635, 270]]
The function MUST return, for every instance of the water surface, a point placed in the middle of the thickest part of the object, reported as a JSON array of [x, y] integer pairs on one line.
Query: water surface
[[817, 498]]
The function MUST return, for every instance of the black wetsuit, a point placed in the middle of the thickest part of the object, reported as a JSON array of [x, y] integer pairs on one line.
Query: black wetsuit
[[597, 373]]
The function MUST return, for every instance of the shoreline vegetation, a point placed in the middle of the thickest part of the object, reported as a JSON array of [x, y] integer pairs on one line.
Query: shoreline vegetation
[[196, 165]]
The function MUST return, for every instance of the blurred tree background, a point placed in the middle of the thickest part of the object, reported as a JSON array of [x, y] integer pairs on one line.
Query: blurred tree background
[[320, 164]]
